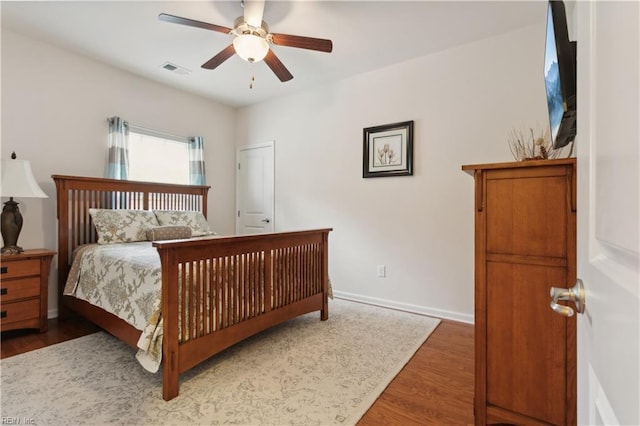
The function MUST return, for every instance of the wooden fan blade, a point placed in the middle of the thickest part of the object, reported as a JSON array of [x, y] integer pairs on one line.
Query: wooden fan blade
[[193, 23], [225, 54], [310, 43], [277, 67], [253, 11]]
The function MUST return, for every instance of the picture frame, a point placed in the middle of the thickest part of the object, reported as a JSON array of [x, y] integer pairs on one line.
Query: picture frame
[[388, 150]]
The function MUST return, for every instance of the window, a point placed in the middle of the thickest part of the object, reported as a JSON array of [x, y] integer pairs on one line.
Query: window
[[157, 157]]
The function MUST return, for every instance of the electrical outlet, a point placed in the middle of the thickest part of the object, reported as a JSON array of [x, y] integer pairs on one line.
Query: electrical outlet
[[382, 271]]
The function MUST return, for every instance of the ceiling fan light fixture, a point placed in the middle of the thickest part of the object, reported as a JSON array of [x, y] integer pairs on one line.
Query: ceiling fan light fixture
[[250, 47]]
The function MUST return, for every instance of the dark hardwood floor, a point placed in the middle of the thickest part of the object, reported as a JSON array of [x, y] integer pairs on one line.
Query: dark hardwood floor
[[16, 342], [434, 388]]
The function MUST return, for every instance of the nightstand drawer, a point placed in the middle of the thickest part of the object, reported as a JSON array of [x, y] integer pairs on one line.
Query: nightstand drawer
[[19, 311], [19, 268], [19, 289]]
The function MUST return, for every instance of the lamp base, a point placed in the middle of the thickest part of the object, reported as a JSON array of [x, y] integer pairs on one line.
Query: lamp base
[[11, 250], [11, 225]]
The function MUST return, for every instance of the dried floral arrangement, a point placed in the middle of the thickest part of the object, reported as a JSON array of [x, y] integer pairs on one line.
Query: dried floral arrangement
[[526, 146]]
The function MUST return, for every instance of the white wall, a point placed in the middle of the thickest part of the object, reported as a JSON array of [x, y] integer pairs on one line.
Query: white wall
[[464, 101], [54, 110]]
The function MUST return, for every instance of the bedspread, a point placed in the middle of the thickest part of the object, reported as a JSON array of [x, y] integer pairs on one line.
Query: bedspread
[[125, 280]]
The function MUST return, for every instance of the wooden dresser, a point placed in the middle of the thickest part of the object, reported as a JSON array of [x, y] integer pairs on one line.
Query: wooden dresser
[[24, 289], [525, 243]]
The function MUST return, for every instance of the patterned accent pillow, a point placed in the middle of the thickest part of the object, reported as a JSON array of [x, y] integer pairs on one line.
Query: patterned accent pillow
[[168, 232], [122, 226], [194, 220]]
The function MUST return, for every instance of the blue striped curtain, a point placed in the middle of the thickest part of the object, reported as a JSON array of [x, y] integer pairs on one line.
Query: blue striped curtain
[[118, 149], [196, 161]]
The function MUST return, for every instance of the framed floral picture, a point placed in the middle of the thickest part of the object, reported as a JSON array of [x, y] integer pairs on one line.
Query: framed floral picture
[[388, 150]]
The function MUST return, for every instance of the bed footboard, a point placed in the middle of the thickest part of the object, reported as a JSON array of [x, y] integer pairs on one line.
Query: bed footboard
[[221, 290]]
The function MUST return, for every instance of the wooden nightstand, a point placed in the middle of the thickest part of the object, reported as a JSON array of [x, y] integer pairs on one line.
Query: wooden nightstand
[[24, 283]]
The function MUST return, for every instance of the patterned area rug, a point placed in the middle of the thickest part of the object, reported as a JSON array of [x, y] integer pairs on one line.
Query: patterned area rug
[[304, 372]]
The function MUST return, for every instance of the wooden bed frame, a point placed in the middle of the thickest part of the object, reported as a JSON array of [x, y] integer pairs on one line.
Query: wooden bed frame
[[260, 280]]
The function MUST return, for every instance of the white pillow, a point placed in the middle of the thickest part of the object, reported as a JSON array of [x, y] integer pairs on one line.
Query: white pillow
[[194, 220], [122, 226]]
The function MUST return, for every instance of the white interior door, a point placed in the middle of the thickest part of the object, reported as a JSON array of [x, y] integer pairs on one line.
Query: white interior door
[[608, 212], [255, 189]]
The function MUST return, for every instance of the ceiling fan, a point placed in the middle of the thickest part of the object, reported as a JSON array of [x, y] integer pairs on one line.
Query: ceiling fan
[[252, 39]]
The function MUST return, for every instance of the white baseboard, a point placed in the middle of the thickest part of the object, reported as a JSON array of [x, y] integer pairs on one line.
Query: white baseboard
[[416, 309]]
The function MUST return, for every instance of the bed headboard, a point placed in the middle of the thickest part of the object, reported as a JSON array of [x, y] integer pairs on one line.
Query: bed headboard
[[76, 195]]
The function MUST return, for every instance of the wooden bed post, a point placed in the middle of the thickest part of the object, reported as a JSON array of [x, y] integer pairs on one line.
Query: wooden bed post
[[324, 313], [62, 213], [170, 350]]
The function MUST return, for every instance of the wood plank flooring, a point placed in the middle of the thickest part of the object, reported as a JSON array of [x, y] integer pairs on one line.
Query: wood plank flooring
[[15, 342], [434, 388]]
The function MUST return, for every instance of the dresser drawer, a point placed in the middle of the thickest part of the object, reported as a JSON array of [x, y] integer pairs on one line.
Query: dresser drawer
[[19, 311], [19, 289], [19, 268]]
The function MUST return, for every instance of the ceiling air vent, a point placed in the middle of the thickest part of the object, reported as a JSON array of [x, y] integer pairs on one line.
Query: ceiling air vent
[[175, 68]]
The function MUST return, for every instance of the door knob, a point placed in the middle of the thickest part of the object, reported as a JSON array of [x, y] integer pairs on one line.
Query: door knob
[[574, 294], [266, 220]]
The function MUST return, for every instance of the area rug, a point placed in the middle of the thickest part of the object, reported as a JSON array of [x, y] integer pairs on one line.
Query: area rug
[[302, 372]]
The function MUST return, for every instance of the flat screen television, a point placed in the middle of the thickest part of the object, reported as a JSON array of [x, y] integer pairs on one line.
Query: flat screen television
[[560, 76]]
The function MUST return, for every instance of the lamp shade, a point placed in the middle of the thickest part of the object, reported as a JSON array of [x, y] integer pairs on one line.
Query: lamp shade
[[250, 47], [18, 180]]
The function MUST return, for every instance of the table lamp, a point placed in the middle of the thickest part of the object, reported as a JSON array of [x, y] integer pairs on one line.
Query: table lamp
[[17, 181]]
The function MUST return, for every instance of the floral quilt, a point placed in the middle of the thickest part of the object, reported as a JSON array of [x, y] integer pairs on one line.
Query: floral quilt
[[124, 279]]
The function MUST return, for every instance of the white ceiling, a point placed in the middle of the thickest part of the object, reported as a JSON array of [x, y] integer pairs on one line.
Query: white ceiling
[[366, 35]]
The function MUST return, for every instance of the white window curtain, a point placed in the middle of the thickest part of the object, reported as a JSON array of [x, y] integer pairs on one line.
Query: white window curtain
[[118, 149], [196, 161]]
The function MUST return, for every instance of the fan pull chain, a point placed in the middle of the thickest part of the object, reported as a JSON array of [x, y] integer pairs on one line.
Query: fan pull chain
[[253, 78]]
